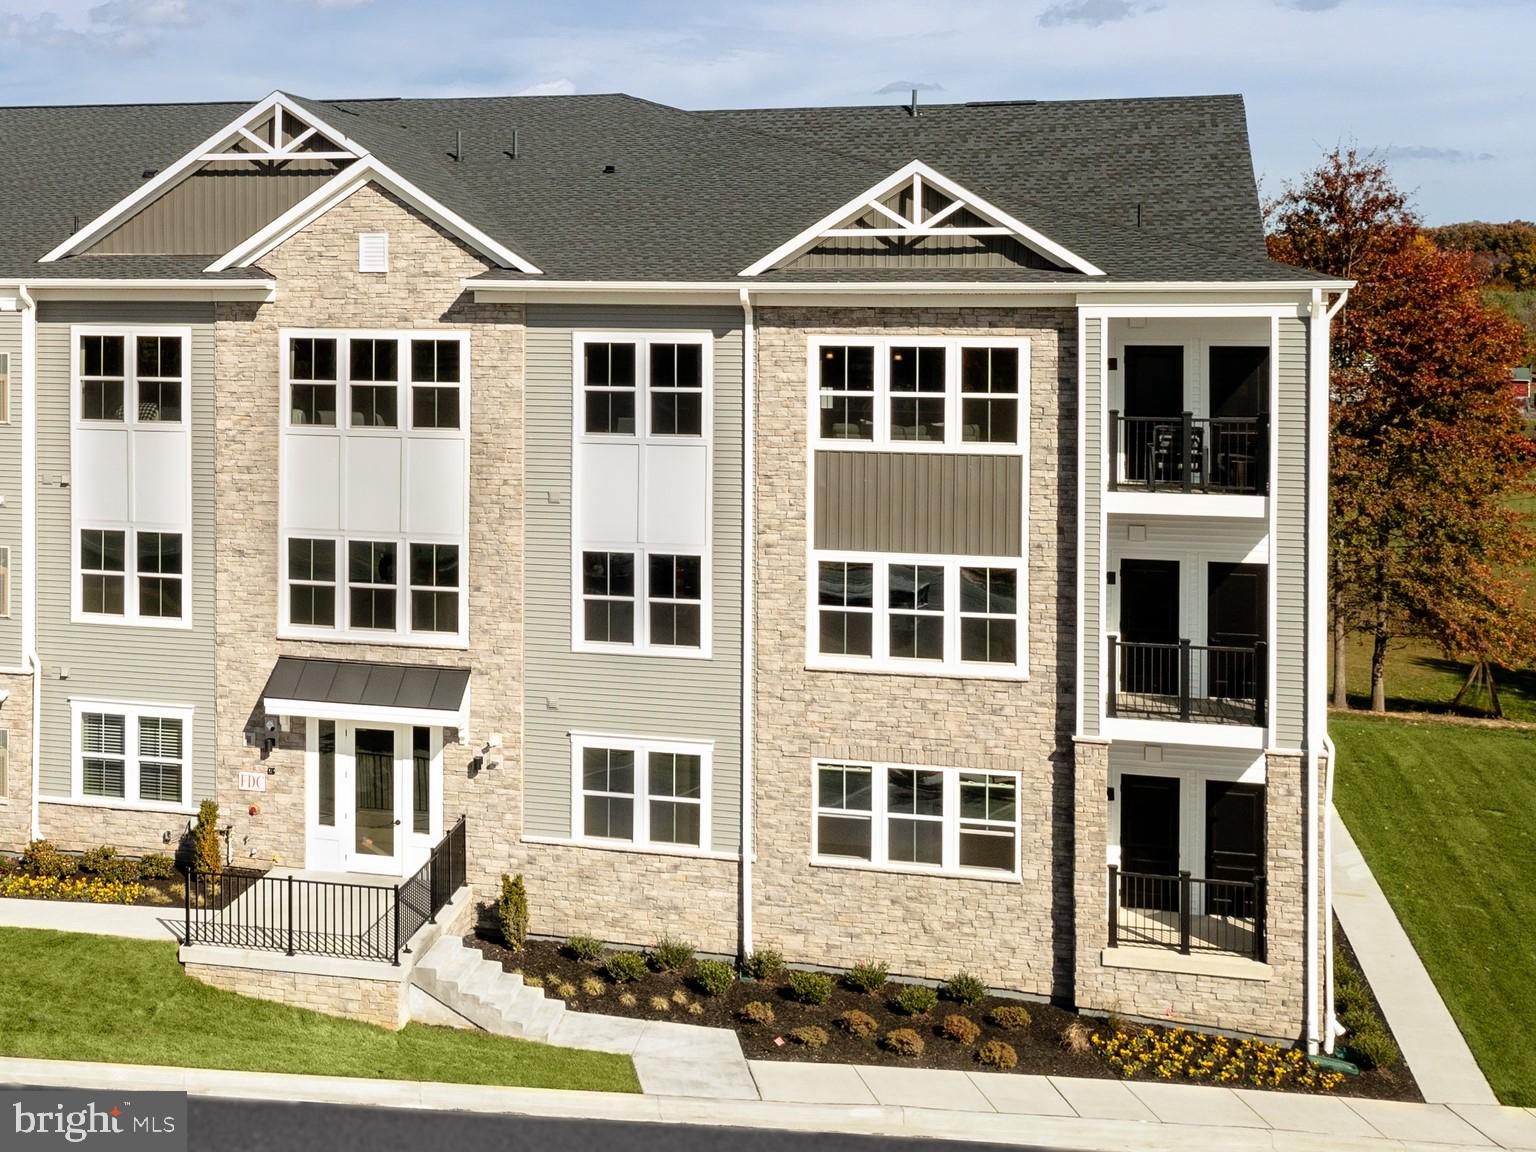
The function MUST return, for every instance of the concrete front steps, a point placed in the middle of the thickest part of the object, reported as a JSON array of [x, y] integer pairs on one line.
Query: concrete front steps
[[475, 989]]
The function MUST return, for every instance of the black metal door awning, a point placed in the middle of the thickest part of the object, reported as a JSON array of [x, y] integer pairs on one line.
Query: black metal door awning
[[368, 691]]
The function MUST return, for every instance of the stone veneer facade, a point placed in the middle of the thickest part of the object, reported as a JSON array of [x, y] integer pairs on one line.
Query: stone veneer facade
[[16, 799], [1012, 933]]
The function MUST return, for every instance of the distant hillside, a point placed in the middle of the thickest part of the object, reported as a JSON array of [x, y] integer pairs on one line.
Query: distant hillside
[[1505, 255]]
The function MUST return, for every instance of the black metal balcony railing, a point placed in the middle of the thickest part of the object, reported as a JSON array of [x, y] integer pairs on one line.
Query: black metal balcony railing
[[1227, 455], [1203, 683], [293, 914], [1186, 913]]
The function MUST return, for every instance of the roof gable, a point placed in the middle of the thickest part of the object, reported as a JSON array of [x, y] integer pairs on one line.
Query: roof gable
[[914, 206]]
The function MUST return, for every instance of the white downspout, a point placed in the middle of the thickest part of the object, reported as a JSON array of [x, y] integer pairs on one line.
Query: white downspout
[[748, 545], [1331, 1026], [29, 534]]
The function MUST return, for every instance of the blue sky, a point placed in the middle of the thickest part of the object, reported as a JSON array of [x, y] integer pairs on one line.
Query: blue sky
[[1443, 88]]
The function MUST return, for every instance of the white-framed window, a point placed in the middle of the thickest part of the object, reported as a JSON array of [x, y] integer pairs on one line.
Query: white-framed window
[[644, 793], [131, 755], [946, 615], [131, 475], [908, 393], [915, 819], [375, 527], [642, 442]]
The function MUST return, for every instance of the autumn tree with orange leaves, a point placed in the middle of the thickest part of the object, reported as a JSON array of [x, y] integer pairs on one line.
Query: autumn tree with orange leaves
[[1426, 448]]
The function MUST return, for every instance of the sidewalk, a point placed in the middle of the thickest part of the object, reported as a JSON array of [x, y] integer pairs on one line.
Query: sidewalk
[[1432, 1045], [132, 920], [997, 1108]]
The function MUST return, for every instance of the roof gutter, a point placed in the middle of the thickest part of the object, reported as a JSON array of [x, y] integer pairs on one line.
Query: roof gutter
[[498, 289], [260, 290]]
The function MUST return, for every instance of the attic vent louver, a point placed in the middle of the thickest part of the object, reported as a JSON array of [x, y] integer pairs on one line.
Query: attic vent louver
[[373, 251]]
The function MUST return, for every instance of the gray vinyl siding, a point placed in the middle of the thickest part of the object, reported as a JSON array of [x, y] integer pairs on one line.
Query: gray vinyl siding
[[645, 696], [1289, 547], [1091, 487], [10, 489], [133, 664], [211, 211], [1125, 757], [920, 502]]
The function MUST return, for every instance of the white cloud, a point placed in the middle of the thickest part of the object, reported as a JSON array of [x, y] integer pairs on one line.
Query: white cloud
[[1091, 13], [1440, 155], [145, 13], [561, 87]]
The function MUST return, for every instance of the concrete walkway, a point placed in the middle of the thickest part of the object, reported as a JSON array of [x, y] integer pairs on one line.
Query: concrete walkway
[[1439, 1058], [132, 920], [1044, 1112]]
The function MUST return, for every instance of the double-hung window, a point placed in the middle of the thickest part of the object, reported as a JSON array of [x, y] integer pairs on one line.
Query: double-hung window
[[645, 793], [887, 613], [375, 500], [909, 393], [913, 818], [641, 509], [132, 755]]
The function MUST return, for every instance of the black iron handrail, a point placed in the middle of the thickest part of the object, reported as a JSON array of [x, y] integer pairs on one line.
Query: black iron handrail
[[1183, 453], [293, 915], [1206, 683], [1187, 912]]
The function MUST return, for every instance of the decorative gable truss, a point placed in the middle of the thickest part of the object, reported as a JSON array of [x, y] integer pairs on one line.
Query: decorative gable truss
[[918, 218], [301, 166]]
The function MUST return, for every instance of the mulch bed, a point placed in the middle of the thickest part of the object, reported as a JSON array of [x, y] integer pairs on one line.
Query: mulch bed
[[1039, 1047], [1398, 1075]]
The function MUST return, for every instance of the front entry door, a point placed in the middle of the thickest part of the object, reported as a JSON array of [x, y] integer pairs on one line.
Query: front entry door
[[1149, 626], [377, 812], [1149, 841], [1234, 844]]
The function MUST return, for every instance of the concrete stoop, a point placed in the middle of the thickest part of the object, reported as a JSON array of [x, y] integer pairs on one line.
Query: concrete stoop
[[469, 986]]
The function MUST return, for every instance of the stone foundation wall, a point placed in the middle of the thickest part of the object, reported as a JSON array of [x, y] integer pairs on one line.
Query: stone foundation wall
[[77, 827], [16, 798], [381, 1002]]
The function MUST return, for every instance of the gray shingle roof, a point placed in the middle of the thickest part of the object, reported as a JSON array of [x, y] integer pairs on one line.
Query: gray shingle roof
[[701, 195], [359, 682]]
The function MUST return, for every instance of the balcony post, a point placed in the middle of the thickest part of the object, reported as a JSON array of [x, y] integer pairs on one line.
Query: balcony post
[[1261, 457], [290, 913], [1114, 673], [186, 901], [396, 958], [1184, 888], [1183, 679], [1260, 948], [1114, 906], [1260, 683], [1187, 448], [1114, 449]]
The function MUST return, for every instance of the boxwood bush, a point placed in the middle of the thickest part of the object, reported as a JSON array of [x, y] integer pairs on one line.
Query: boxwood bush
[[810, 987]]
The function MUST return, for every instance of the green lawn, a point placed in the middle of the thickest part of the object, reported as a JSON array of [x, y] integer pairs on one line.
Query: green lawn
[[65, 996], [1446, 816]]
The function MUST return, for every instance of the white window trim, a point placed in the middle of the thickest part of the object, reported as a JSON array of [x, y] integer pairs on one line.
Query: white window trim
[[642, 747], [131, 713], [883, 441], [343, 632], [642, 549], [133, 427], [879, 829], [881, 661]]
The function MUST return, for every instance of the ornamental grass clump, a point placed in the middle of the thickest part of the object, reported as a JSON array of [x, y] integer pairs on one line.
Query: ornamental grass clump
[[916, 1000], [1179, 1054], [810, 987], [867, 978]]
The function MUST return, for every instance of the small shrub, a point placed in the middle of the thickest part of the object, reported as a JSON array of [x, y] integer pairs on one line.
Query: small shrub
[[98, 860], [916, 1000], [1374, 1045], [961, 1029], [659, 1004], [157, 866], [996, 1054], [206, 857], [903, 1042], [41, 858], [810, 1036], [757, 1012], [512, 911], [867, 978], [713, 977], [627, 1000], [1014, 1017], [566, 991], [592, 987], [810, 987], [695, 1009], [765, 964], [858, 1023], [153, 895], [584, 948], [671, 955], [1076, 1038], [624, 967], [963, 988]]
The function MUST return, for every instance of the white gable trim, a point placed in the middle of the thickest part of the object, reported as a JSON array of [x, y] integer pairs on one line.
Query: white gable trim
[[370, 169], [209, 149], [918, 173]]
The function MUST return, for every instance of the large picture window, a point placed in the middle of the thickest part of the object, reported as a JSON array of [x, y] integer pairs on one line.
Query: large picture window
[[644, 793], [365, 373], [947, 615], [911, 818], [131, 755], [908, 394]]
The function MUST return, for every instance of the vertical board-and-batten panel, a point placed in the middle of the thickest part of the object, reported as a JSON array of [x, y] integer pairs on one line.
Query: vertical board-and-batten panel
[[926, 503], [647, 696], [1091, 488], [1289, 551], [139, 664], [11, 655]]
